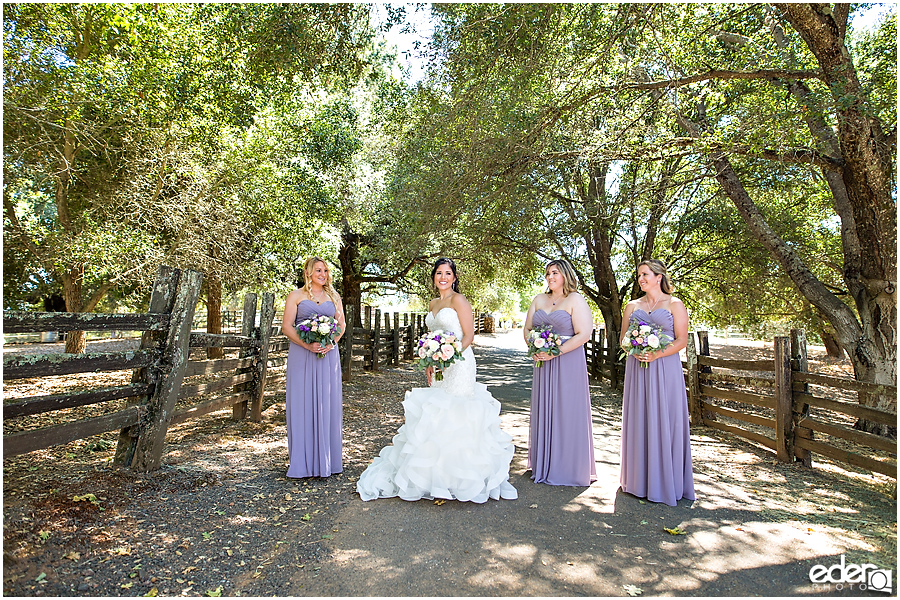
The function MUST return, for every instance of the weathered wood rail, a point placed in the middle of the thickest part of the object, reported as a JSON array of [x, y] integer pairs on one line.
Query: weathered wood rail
[[778, 404], [168, 384], [603, 359]]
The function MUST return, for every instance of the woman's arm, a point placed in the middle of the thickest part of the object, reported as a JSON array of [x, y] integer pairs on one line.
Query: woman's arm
[[582, 323], [466, 319], [629, 308], [340, 318], [528, 320], [290, 316]]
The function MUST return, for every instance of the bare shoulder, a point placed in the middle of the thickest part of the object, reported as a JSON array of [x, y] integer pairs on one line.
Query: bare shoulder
[[675, 304], [295, 297], [459, 302]]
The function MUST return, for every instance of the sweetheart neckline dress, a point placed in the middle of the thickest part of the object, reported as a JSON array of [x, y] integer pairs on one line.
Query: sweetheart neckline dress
[[313, 404], [451, 445], [656, 434], [561, 440]]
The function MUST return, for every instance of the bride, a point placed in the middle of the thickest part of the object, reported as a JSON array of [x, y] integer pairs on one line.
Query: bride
[[451, 445]]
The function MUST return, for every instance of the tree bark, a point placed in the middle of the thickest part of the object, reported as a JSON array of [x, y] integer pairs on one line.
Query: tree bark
[[351, 283], [214, 311]]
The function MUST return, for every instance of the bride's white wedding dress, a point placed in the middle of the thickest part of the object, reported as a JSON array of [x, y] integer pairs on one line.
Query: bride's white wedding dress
[[451, 445]]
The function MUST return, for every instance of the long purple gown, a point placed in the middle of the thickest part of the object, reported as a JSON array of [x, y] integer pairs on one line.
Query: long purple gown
[[314, 405], [656, 442], [560, 439]]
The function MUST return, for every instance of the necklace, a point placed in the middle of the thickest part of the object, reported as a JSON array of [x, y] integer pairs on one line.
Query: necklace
[[315, 296], [652, 306], [558, 300]]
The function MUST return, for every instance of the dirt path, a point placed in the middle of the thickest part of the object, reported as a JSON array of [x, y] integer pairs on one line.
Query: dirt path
[[220, 518]]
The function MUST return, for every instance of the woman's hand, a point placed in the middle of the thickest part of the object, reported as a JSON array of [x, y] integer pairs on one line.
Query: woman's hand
[[646, 357], [429, 372], [318, 348], [542, 356]]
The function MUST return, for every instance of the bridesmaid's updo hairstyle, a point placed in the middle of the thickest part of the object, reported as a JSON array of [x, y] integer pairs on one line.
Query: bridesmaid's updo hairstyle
[[308, 268], [570, 280], [659, 268], [446, 261]]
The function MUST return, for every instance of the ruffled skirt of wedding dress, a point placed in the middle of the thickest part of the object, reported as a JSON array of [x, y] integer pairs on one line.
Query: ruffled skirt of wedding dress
[[449, 447]]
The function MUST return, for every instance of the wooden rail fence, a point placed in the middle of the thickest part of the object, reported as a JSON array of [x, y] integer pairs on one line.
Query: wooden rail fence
[[780, 405]]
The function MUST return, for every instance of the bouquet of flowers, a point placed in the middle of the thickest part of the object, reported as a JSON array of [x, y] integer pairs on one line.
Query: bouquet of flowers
[[438, 349], [643, 337], [318, 328], [542, 339]]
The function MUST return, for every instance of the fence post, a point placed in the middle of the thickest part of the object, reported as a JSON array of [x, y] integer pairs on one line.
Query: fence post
[[248, 322], [376, 337], [800, 363], [266, 314], [347, 344], [162, 300], [784, 422], [396, 339], [368, 318], [695, 401], [149, 446], [597, 352]]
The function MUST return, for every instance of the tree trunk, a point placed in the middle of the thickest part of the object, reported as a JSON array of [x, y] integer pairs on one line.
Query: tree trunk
[[76, 341], [832, 347], [214, 311], [351, 283]]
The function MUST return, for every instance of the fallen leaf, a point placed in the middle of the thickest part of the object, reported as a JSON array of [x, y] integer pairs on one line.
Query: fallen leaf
[[152, 593], [327, 537], [305, 517], [41, 577], [440, 502], [127, 586], [633, 590], [215, 593], [533, 506], [675, 531], [73, 555]]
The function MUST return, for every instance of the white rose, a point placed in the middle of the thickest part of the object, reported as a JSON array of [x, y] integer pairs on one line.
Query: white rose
[[447, 351], [645, 329], [433, 345], [539, 342], [324, 328], [422, 352], [652, 341]]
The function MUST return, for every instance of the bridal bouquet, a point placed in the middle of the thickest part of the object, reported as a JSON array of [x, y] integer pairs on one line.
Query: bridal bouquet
[[318, 328], [542, 339], [438, 349], [642, 337]]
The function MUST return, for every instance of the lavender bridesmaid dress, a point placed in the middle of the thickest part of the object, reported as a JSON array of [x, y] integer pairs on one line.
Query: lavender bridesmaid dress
[[656, 442], [560, 440], [314, 406]]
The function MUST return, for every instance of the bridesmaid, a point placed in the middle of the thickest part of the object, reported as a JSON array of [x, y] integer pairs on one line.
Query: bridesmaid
[[314, 396], [656, 442], [561, 442]]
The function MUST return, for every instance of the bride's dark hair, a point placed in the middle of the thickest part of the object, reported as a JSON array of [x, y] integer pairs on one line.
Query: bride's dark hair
[[446, 261]]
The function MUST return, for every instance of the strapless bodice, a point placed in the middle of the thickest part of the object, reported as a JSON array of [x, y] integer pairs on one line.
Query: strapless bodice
[[559, 320]]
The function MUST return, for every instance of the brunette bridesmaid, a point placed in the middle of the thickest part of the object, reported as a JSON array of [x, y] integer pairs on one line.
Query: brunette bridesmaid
[[314, 397], [561, 441]]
